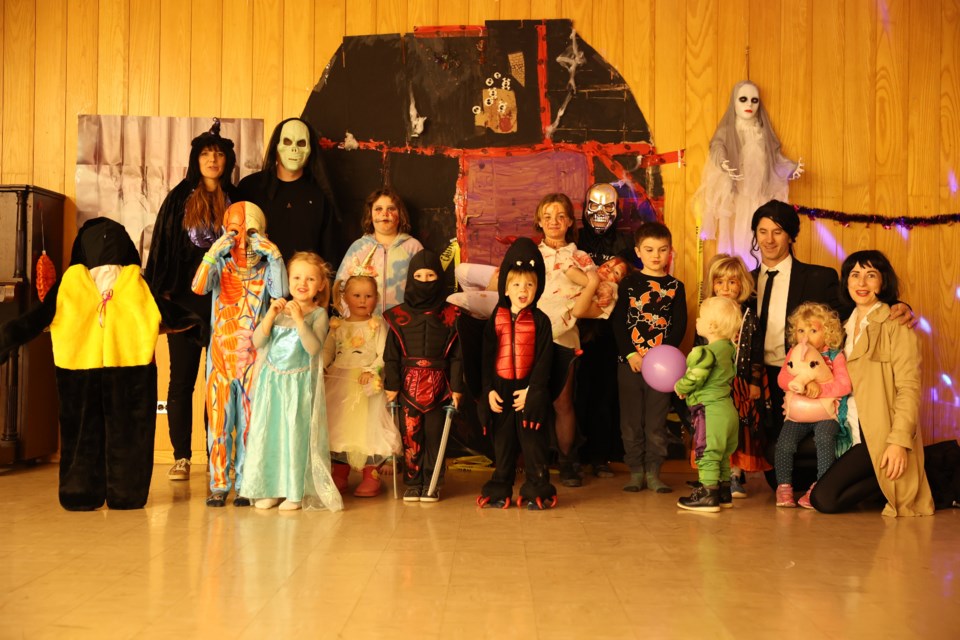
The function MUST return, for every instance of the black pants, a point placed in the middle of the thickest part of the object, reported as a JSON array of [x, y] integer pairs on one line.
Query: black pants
[[509, 439], [421, 432], [108, 418], [184, 363], [596, 401], [847, 483]]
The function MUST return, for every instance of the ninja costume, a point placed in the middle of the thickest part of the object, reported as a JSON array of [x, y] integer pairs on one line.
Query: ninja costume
[[422, 362], [104, 323], [517, 354]]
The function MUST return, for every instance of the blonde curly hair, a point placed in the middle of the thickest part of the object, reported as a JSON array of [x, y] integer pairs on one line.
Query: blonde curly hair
[[810, 311]]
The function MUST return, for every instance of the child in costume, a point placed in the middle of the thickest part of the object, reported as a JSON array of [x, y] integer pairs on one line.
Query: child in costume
[[288, 455], [706, 386], [422, 369], [728, 277], [362, 433], [104, 323], [243, 270], [651, 310], [817, 326], [517, 358]]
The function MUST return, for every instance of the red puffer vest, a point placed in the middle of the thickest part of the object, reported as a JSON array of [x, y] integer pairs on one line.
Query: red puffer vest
[[517, 343]]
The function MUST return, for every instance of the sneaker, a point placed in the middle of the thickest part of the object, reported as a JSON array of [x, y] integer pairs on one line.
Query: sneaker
[[428, 497], [702, 499], [569, 476], [180, 470], [240, 501], [725, 495], [785, 496], [736, 487], [412, 494], [805, 500], [602, 470], [217, 499]]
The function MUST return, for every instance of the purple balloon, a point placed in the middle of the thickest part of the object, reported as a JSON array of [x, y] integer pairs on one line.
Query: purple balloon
[[663, 366]]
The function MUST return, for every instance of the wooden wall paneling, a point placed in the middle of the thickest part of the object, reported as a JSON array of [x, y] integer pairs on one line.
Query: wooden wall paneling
[[113, 54], [3, 64], [733, 35], [516, 10], [330, 18], [206, 58], [479, 11], [143, 89], [298, 78], [175, 56], [453, 12], [422, 13], [639, 55], [267, 79], [51, 76], [859, 114], [766, 53], [796, 106], [236, 89], [824, 165], [949, 173], [701, 42], [391, 16], [361, 18], [608, 31], [581, 13], [548, 9], [923, 114], [19, 55]]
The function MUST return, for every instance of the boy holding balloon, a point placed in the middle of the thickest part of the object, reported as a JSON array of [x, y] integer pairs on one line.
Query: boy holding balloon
[[651, 311]]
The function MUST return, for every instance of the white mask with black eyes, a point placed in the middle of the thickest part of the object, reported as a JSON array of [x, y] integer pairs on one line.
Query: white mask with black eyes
[[293, 147], [747, 102]]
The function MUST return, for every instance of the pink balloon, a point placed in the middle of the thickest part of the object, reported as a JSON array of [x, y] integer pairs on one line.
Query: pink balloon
[[663, 366]]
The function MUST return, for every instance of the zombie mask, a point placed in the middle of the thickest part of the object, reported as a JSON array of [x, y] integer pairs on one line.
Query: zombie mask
[[293, 149], [748, 101], [601, 209], [246, 220]]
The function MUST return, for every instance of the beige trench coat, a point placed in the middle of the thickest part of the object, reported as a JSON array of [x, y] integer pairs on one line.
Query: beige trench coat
[[885, 371]]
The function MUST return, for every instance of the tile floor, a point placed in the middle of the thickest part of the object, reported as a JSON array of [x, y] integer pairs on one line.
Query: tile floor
[[606, 564]]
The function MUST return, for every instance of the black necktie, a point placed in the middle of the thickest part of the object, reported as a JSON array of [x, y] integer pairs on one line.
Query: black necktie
[[767, 290]]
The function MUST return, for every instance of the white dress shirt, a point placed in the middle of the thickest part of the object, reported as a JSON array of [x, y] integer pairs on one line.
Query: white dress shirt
[[773, 343]]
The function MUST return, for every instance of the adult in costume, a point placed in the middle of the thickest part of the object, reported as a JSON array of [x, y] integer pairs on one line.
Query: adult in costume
[[294, 192], [189, 221], [104, 324], [242, 270]]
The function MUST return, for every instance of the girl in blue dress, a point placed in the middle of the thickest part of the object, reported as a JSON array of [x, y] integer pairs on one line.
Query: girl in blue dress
[[288, 454]]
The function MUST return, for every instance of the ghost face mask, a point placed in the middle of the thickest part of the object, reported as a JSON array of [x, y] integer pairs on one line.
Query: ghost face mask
[[293, 149], [246, 220], [601, 206], [747, 102]]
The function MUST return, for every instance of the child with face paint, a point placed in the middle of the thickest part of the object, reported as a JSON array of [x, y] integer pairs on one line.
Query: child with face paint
[[288, 455], [386, 247], [243, 270], [362, 432], [422, 370], [812, 326], [187, 224], [745, 170]]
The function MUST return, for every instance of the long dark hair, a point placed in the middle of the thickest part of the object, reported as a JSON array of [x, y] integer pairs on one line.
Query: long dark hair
[[204, 209]]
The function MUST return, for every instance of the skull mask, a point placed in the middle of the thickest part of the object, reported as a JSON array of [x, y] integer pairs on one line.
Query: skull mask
[[293, 147], [246, 220], [601, 210]]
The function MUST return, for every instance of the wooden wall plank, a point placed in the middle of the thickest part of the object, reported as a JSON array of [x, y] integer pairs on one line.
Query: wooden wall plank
[[143, 92], [298, 78], [923, 113], [236, 90], [480, 11], [113, 52], [391, 16], [606, 35], [175, 56], [731, 62], [3, 60], [796, 108], [51, 83], [639, 53], [422, 13], [206, 58], [330, 19], [949, 173], [19, 55], [548, 9], [581, 12], [515, 10], [267, 99], [453, 12], [361, 18]]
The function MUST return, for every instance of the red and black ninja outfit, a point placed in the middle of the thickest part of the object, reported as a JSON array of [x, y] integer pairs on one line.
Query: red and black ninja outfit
[[518, 354], [422, 362]]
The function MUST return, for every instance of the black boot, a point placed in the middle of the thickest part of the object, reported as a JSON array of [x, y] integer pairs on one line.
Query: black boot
[[568, 474], [706, 499], [725, 495]]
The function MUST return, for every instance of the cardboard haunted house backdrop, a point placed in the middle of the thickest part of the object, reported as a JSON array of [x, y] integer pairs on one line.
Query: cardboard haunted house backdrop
[[473, 125]]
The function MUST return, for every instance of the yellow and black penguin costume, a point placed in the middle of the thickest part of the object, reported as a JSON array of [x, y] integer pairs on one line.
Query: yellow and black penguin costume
[[104, 323]]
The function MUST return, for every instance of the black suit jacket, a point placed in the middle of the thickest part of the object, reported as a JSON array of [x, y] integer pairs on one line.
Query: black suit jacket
[[808, 283]]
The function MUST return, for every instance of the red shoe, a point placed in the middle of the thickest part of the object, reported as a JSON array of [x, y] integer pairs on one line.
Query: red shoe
[[341, 474], [369, 487], [785, 496], [805, 500]]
